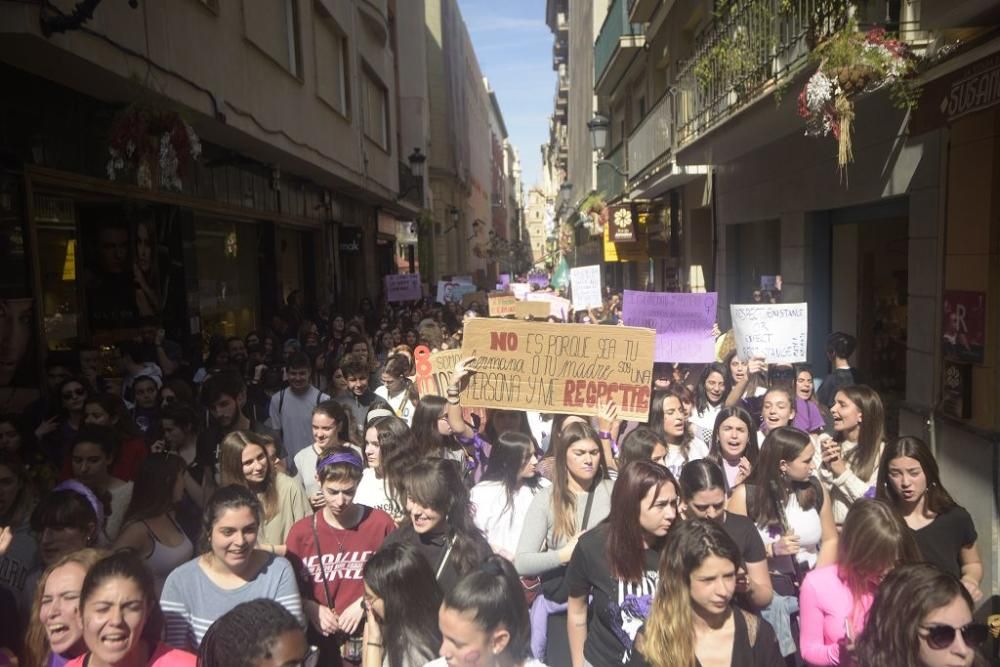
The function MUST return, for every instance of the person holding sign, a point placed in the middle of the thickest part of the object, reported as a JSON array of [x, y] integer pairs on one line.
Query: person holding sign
[[848, 462], [709, 397], [579, 498], [747, 382]]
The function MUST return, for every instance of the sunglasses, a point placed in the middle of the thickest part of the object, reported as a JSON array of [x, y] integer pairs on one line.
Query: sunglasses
[[942, 636]]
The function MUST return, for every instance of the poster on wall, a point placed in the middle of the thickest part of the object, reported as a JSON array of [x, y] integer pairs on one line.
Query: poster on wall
[[964, 327]]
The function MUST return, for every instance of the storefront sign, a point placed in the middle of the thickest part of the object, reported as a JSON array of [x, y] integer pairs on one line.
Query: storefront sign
[[683, 323], [403, 287], [948, 98], [351, 240], [585, 283], [956, 397], [964, 327], [777, 332], [502, 304], [558, 306], [622, 223], [562, 368]]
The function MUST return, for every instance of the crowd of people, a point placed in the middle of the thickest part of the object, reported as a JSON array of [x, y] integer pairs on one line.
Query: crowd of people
[[294, 500]]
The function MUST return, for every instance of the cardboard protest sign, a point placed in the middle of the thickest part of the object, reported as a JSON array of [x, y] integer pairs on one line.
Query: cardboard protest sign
[[558, 306], [564, 368], [403, 287], [501, 304], [520, 290], [449, 291], [585, 282], [536, 309], [470, 298], [776, 331], [434, 369], [683, 322]]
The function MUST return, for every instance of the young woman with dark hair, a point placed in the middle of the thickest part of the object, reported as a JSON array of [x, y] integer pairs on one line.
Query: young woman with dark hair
[[329, 550], [180, 424], [91, 458], [847, 464], [150, 526], [55, 634], [18, 548], [501, 500], [57, 434], [483, 620], [693, 621], [642, 444], [432, 430], [67, 519], [709, 398], [120, 617], [747, 381], [908, 479], [793, 516], [734, 445], [440, 521], [258, 633], [921, 617], [777, 410], [329, 420], [668, 415], [402, 599], [109, 411], [389, 453], [613, 571], [230, 571], [243, 460], [810, 416], [703, 496], [834, 599]]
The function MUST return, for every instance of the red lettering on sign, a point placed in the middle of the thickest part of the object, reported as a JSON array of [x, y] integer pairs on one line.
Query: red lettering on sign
[[503, 341]]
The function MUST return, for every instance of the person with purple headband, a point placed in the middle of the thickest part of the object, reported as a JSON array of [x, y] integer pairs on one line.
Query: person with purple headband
[[328, 550]]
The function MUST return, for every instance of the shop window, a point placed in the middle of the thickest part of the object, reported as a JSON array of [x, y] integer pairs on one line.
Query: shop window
[[228, 288], [55, 225], [376, 112]]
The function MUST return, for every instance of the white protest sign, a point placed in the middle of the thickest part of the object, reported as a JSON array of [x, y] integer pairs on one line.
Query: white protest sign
[[776, 331], [520, 290], [586, 285], [403, 287]]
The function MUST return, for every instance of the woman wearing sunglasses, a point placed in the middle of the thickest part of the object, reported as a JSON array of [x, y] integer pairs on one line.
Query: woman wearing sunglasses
[[921, 617]]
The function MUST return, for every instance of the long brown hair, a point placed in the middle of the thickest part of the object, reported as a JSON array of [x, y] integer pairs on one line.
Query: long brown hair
[[874, 539], [782, 444], [871, 434], [564, 500], [36, 642], [231, 468], [936, 497], [669, 640], [625, 549]]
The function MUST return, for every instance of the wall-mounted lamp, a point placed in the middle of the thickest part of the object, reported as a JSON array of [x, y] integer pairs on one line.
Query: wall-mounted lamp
[[416, 160], [598, 126]]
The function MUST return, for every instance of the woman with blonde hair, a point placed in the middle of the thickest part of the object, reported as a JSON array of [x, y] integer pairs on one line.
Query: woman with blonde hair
[[693, 621], [834, 600], [243, 460], [55, 634]]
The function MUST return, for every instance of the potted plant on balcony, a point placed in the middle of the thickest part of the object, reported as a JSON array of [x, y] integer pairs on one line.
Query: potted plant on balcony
[[157, 145], [853, 63]]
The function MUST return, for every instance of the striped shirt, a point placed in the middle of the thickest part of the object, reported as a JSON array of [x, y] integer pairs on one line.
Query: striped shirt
[[191, 601]]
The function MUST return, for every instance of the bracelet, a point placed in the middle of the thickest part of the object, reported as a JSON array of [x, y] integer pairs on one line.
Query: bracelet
[[604, 435], [453, 400]]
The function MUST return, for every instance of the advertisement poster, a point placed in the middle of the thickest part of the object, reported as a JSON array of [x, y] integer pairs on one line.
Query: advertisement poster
[[964, 326]]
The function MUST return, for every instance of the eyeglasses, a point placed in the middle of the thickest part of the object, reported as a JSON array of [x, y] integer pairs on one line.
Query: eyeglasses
[[942, 636]]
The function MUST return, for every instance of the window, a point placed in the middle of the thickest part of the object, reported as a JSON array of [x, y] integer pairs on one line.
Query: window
[[331, 65], [227, 276], [55, 224], [274, 28], [376, 109]]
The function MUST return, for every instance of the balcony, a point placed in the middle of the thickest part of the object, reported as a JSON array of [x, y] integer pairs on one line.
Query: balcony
[[743, 55], [617, 41], [651, 140], [609, 181], [641, 11]]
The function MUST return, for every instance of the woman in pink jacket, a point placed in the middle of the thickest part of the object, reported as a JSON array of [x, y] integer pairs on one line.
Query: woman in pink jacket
[[834, 599]]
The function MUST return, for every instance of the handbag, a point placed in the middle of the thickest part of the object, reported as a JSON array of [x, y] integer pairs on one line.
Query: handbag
[[554, 584], [351, 646]]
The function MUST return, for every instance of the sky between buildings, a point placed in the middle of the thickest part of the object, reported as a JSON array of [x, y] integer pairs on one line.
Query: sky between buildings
[[514, 47]]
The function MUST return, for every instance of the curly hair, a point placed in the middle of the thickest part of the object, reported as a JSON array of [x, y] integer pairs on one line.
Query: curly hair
[[245, 634]]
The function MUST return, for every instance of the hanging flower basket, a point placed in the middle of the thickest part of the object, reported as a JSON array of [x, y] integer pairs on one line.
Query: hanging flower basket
[[156, 146], [852, 63]]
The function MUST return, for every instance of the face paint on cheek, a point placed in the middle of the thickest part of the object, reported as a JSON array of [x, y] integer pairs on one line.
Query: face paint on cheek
[[471, 658]]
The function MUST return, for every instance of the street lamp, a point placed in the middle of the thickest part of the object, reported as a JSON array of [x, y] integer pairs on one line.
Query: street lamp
[[416, 160], [598, 126], [565, 191]]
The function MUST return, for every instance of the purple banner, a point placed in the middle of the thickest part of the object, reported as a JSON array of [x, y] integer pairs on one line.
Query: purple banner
[[539, 280], [403, 287], [683, 323]]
